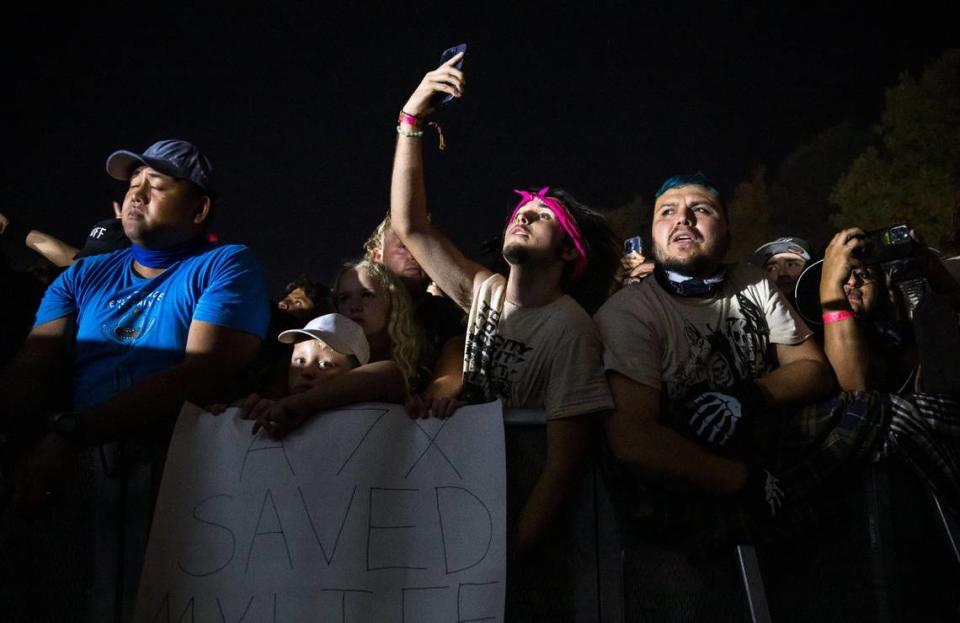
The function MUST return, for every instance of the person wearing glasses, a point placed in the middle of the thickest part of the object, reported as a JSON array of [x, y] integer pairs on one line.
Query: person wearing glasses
[[867, 342], [888, 408]]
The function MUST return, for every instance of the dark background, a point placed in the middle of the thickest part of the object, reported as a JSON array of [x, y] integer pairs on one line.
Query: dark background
[[296, 105]]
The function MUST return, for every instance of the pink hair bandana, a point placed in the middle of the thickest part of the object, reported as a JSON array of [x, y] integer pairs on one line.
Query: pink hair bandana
[[565, 219]]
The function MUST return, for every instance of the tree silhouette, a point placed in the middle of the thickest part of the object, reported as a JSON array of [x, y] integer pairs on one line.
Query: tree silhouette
[[912, 173], [749, 212], [800, 195]]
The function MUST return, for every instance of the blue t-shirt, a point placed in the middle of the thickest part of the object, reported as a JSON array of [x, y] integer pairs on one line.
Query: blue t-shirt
[[129, 327]]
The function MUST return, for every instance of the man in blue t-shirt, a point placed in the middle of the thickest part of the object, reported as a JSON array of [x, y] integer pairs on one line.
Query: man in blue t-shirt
[[138, 331]]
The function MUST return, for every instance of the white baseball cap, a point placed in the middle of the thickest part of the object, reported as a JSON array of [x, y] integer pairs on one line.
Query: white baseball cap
[[338, 332]]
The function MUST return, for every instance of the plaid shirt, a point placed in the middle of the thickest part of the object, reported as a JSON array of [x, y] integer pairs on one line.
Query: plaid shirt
[[922, 431]]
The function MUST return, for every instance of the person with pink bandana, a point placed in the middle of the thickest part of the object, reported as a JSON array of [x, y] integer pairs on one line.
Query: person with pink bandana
[[529, 340]]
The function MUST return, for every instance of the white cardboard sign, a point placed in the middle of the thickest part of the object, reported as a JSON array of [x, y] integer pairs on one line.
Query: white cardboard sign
[[362, 514]]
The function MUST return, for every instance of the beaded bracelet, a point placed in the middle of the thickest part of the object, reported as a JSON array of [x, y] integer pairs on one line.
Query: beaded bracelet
[[408, 134], [417, 123], [836, 316]]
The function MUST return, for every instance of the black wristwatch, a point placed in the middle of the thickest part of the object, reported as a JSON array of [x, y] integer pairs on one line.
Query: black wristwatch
[[68, 425]]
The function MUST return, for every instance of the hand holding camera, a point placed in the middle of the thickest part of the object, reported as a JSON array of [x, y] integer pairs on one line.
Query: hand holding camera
[[839, 261], [887, 245]]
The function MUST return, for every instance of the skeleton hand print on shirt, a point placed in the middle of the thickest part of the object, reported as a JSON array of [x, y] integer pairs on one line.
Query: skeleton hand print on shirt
[[715, 417]]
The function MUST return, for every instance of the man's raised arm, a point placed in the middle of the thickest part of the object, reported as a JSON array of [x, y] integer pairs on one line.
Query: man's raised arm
[[446, 265]]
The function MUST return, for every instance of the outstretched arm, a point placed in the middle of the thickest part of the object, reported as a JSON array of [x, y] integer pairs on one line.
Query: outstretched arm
[[52, 248], [638, 439], [380, 381], [446, 265]]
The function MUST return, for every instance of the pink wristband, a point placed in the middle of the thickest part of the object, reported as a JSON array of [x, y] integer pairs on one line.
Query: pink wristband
[[404, 118], [836, 316]]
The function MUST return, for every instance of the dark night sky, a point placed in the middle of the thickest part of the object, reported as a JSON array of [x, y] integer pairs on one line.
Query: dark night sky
[[296, 105]]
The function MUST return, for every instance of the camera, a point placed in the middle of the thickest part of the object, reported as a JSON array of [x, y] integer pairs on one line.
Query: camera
[[886, 245], [892, 247]]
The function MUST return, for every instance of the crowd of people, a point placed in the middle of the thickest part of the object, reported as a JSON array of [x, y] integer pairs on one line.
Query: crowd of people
[[699, 375]]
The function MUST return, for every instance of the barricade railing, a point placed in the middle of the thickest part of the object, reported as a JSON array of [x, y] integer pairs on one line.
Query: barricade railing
[[611, 558]]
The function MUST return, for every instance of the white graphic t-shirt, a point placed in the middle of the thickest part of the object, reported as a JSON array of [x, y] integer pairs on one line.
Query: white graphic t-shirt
[[547, 357]]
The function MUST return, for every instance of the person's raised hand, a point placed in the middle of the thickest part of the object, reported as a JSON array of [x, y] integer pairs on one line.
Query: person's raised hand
[[839, 262], [445, 79], [633, 269]]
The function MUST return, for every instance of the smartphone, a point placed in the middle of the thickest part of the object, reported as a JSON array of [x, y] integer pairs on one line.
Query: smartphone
[[886, 245], [633, 245], [444, 57]]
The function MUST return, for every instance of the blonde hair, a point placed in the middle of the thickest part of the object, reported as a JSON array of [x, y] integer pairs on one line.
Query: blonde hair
[[375, 241], [407, 341]]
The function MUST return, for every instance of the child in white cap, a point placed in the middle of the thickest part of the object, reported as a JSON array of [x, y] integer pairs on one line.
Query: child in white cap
[[325, 348]]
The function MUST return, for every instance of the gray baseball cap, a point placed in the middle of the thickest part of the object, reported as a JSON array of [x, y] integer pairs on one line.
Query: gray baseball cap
[[796, 246], [173, 157]]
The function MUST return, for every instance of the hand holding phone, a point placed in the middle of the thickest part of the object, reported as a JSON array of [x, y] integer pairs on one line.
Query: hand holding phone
[[443, 99], [633, 265], [633, 244], [443, 84]]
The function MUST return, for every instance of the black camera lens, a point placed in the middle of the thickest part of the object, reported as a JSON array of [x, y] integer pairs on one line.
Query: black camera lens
[[899, 234]]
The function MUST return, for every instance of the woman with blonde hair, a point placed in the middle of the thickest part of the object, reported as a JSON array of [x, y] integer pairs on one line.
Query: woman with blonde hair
[[373, 297]]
